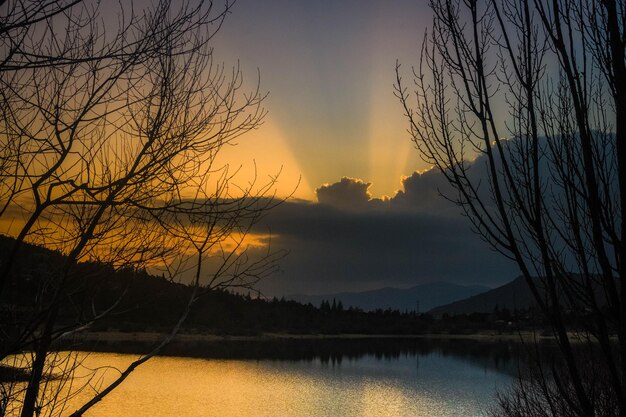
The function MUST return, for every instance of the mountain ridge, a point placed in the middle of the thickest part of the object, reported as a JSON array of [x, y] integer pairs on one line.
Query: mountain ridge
[[422, 297], [514, 295]]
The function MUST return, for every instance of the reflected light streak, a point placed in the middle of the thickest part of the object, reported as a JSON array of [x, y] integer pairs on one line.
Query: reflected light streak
[[171, 386]]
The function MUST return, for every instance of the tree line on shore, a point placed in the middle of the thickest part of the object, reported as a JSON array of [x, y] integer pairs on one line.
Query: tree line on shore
[[153, 303]]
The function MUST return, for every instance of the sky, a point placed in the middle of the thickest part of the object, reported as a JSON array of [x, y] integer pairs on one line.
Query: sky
[[365, 211], [329, 68], [362, 210]]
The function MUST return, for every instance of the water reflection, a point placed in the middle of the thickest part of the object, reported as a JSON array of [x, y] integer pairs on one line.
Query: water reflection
[[499, 355], [432, 385], [302, 377]]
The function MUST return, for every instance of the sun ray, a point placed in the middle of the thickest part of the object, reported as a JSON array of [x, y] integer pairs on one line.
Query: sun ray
[[264, 154]]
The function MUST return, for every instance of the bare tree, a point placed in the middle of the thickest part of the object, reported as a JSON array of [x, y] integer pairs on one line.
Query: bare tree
[[521, 106], [109, 142]]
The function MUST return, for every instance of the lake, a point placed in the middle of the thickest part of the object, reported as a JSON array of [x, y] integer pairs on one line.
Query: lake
[[372, 378]]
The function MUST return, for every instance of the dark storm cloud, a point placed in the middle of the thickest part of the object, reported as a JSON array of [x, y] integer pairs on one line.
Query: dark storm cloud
[[347, 193], [424, 190], [354, 243]]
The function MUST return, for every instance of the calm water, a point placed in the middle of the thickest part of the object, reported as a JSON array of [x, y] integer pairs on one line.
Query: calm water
[[409, 385], [415, 382]]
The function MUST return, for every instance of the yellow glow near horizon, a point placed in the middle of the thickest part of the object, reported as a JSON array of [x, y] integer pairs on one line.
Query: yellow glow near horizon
[[264, 153], [332, 112]]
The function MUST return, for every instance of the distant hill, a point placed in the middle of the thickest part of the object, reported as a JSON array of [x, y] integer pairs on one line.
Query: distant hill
[[514, 295], [151, 303], [143, 302], [427, 295]]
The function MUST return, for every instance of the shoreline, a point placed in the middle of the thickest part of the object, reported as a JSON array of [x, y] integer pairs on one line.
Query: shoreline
[[284, 346], [148, 337]]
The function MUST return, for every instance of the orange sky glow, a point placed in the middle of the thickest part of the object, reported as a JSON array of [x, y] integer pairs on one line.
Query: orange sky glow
[[329, 70]]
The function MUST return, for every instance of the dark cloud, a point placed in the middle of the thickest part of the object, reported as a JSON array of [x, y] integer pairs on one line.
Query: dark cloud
[[351, 242], [424, 190], [347, 193], [355, 243]]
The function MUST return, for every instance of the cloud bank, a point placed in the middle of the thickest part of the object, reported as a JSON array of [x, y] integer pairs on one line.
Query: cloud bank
[[350, 241], [347, 193]]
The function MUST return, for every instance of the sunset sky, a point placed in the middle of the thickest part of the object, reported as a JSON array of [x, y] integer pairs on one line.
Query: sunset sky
[[363, 210], [329, 69]]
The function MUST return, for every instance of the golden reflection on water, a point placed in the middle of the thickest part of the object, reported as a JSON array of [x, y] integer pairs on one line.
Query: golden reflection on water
[[432, 386]]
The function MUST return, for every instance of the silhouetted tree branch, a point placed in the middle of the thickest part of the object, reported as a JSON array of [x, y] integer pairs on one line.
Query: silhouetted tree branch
[[109, 142], [520, 104]]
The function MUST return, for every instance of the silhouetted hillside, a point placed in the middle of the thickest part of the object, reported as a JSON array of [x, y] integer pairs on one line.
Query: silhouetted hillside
[[512, 296], [143, 302], [419, 298]]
